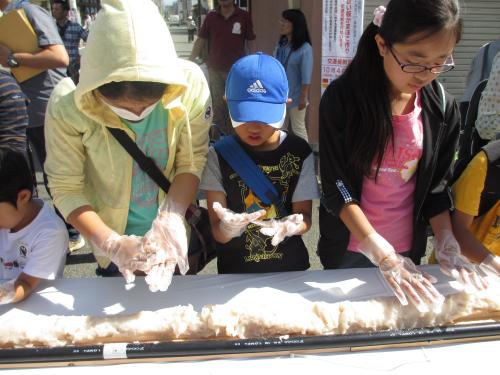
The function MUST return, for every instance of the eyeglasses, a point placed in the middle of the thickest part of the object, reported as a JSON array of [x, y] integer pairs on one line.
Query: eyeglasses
[[417, 68]]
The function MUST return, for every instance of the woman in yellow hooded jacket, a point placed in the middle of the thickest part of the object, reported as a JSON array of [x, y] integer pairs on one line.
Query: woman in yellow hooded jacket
[[130, 79]]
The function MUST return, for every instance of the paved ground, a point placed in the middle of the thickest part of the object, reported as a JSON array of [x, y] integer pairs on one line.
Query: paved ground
[[81, 263]]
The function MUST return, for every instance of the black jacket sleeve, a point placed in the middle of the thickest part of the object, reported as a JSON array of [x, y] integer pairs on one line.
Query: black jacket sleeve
[[336, 185], [439, 196]]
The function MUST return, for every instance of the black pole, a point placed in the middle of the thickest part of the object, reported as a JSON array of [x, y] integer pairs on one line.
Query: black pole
[[260, 345]]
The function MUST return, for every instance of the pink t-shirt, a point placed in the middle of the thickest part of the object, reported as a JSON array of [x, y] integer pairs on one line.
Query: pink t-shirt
[[388, 202]]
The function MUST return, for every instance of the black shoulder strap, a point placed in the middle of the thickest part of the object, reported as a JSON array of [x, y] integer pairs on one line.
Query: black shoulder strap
[[146, 163], [484, 74]]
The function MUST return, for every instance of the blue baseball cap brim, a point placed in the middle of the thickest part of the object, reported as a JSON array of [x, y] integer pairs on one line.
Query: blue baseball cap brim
[[251, 111]]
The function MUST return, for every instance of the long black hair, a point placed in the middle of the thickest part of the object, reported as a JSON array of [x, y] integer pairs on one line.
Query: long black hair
[[300, 33], [369, 119]]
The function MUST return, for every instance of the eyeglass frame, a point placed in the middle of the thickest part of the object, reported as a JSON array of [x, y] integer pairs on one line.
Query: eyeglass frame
[[424, 67]]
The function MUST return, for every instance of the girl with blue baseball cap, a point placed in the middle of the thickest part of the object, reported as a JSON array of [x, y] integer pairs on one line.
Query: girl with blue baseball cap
[[254, 235]]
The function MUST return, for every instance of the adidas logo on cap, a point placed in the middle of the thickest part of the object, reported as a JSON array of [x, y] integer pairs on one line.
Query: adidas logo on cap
[[256, 88]]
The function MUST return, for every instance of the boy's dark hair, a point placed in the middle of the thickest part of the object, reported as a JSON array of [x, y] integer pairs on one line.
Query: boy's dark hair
[[15, 175], [369, 118], [64, 4], [300, 33], [132, 89]]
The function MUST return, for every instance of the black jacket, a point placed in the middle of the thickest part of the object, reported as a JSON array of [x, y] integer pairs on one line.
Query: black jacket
[[432, 194]]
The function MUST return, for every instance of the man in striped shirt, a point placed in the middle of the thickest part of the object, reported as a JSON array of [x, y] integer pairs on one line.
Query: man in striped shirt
[[71, 33], [13, 113]]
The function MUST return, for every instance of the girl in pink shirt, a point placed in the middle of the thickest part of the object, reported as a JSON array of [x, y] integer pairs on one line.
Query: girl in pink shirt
[[388, 134]]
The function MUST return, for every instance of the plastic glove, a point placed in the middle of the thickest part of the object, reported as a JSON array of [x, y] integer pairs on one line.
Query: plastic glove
[[166, 246], [125, 251], [279, 229], [166, 241], [7, 292], [454, 264], [232, 224], [491, 265], [401, 274], [160, 277]]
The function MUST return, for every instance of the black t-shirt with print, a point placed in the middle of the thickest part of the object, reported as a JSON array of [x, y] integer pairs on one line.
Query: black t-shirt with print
[[253, 252]]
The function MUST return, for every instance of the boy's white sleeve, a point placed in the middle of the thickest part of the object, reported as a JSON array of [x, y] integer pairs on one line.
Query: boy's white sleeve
[[307, 186], [211, 180], [48, 253]]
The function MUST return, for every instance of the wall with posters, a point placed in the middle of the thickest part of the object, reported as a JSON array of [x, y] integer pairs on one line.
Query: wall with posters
[[342, 28]]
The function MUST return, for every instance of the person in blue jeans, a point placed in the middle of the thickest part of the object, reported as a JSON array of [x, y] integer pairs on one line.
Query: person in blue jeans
[[294, 51]]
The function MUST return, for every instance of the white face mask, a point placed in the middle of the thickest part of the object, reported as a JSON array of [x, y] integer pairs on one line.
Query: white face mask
[[127, 115]]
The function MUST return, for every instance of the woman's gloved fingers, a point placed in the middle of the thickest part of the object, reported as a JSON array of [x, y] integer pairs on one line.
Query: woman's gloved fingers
[[165, 277], [437, 297], [128, 275], [424, 289], [414, 296], [398, 292], [151, 279]]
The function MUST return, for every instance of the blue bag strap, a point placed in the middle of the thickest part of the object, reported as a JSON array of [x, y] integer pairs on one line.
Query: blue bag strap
[[232, 152]]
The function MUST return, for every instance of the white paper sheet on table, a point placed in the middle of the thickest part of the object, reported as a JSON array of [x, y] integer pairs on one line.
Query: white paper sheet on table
[[108, 296]]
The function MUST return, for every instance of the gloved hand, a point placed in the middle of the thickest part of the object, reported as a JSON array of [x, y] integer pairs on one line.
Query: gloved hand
[[7, 292], [232, 224], [166, 245], [167, 241], [491, 265], [279, 229], [159, 276], [401, 274], [454, 264], [125, 251]]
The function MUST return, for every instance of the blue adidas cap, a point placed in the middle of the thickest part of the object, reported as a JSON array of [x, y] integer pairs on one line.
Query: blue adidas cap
[[257, 90]]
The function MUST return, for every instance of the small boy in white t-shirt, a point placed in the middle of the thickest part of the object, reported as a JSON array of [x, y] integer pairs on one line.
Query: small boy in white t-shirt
[[33, 239]]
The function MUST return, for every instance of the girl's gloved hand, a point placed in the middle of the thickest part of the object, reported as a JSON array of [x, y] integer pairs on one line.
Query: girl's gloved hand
[[454, 264], [401, 274], [280, 229], [159, 277], [232, 224], [125, 251], [166, 246]]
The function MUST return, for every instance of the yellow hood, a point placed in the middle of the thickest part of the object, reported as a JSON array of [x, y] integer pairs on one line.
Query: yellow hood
[[120, 48]]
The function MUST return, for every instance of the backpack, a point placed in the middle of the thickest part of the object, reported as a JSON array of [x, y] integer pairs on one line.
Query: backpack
[[470, 143]]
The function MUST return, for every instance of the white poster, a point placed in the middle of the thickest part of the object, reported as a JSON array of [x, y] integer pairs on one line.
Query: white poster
[[342, 28]]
